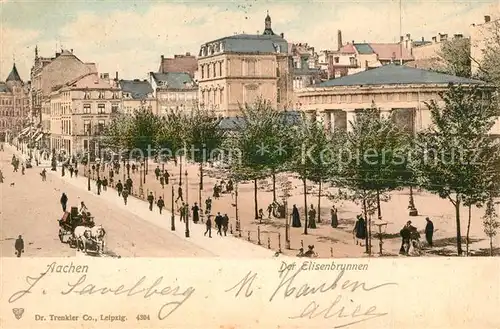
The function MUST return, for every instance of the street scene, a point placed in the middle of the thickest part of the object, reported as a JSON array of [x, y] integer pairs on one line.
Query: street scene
[[257, 145]]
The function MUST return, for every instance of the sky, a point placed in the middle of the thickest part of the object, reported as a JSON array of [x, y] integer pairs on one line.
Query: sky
[[130, 36]]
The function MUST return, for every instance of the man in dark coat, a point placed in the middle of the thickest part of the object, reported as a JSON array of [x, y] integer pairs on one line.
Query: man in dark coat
[[99, 184], [311, 218], [182, 212], [160, 203], [295, 217], [162, 182], [179, 194], [405, 238], [64, 201], [119, 187], [151, 200], [360, 230], [128, 184], [71, 171], [157, 172], [225, 223], [105, 184], [218, 223], [429, 231], [196, 213], [19, 246], [208, 225], [128, 169], [76, 171], [334, 217], [125, 194], [208, 205], [166, 175]]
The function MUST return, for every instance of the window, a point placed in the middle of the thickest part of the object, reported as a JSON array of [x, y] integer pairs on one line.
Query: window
[[114, 108], [277, 72], [85, 144], [278, 95], [220, 68], [100, 126], [251, 68], [215, 70], [221, 95], [86, 127], [86, 95], [101, 95], [336, 60], [101, 108], [86, 108], [203, 71]]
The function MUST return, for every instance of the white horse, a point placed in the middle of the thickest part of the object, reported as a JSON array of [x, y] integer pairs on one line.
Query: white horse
[[97, 234], [83, 235]]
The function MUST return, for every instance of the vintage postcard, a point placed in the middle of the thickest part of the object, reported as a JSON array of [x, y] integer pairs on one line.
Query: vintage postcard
[[249, 164]]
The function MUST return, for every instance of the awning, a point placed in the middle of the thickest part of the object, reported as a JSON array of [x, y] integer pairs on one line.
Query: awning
[[25, 130], [39, 137]]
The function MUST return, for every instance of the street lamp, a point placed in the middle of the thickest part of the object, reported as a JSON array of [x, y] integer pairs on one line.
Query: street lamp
[[172, 218], [287, 225], [238, 224], [382, 226], [88, 180], [141, 188], [411, 204], [187, 207]]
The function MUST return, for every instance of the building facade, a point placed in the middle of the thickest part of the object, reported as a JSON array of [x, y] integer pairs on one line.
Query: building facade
[[398, 89], [14, 105], [48, 73], [480, 36], [80, 111], [174, 91], [137, 94], [238, 69], [179, 64]]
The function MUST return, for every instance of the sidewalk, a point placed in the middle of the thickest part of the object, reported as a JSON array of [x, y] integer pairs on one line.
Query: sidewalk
[[227, 246]]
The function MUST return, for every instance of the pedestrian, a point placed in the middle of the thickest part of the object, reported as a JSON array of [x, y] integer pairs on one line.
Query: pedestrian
[[151, 199], [167, 176], [208, 205], [182, 212], [216, 194], [208, 225], [125, 194], [19, 246], [99, 184], [22, 169], [162, 182], [429, 231], [360, 230], [133, 168], [179, 194], [405, 234], [160, 203], [64, 201], [334, 217], [1, 177], [44, 175], [128, 184], [196, 213], [76, 172], [157, 172], [311, 218], [105, 184], [218, 223], [71, 171], [225, 223], [119, 187], [269, 210], [261, 214], [128, 169], [295, 217]]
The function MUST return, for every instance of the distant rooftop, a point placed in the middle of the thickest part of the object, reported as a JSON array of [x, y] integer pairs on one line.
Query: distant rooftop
[[14, 75], [136, 88], [392, 74], [290, 117], [173, 80]]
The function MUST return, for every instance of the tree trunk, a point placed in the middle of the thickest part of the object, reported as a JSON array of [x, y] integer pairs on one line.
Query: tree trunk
[[491, 245], [256, 206], [319, 201], [145, 170], [365, 213], [305, 205], [379, 211], [201, 183], [459, 233], [274, 186], [467, 241]]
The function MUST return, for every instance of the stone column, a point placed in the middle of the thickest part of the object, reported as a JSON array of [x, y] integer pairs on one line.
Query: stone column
[[332, 121], [351, 118], [325, 117]]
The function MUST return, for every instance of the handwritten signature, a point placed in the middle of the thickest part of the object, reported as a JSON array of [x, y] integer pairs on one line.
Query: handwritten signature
[[338, 308], [82, 288]]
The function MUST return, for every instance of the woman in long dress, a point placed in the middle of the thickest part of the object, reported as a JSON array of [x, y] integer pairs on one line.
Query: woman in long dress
[[360, 230], [334, 216], [295, 217]]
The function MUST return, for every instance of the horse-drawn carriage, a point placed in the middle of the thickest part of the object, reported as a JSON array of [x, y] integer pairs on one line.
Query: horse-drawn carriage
[[79, 231]]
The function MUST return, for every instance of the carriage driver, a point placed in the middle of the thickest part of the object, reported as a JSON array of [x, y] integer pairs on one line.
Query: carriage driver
[[83, 208]]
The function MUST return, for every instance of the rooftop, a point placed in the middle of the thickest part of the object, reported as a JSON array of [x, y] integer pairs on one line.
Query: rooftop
[[14, 75], [392, 74], [138, 89], [173, 80], [248, 43], [290, 117]]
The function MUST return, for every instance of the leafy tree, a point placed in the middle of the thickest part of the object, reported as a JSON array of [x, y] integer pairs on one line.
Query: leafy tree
[[490, 222], [263, 144], [204, 137], [375, 164], [456, 56], [455, 158]]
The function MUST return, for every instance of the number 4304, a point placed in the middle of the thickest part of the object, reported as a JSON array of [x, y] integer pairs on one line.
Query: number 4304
[[142, 317]]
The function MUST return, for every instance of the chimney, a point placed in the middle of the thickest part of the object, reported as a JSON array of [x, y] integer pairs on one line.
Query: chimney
[[339, 39], [458, 36], [487, 19], [282, 35], [116, 75]]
